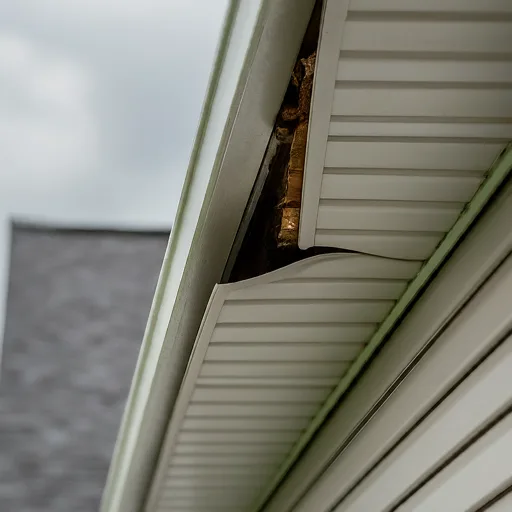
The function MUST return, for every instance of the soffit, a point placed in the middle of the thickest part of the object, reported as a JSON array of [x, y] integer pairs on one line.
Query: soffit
[[269, 352], [411, 105]]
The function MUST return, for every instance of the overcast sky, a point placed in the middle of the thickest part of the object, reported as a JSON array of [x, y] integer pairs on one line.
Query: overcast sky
[[99, 103]]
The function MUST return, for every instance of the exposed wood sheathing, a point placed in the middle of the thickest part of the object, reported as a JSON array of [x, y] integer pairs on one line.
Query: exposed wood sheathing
[[298, 116], [270, 240]]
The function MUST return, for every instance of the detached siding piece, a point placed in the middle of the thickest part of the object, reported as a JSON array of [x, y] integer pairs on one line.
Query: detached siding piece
[[412, 103], [269, 352]]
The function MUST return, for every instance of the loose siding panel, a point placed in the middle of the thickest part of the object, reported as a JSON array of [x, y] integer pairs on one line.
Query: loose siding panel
[[269, 352], [412, 102]]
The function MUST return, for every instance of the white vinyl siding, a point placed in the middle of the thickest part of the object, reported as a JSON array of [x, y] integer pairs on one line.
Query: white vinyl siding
[[336, 460], [473, 478], [268, 354], [412, 103], [476, 401], [502, 505]]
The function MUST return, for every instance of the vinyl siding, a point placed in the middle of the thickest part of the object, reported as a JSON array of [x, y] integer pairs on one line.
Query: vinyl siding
[[411, 106], [268, 354]]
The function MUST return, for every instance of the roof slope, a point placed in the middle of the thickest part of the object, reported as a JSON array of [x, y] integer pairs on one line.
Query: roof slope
[[411, 105], [75, 312]]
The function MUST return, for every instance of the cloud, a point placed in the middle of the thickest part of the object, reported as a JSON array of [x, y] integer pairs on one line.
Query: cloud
[[45, 119], [99, 104]]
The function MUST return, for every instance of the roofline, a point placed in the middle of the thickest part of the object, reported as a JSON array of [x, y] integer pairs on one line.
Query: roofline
[[259, 39]]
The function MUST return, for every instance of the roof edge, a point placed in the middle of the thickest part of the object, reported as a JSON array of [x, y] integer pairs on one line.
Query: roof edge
[[259, 40]]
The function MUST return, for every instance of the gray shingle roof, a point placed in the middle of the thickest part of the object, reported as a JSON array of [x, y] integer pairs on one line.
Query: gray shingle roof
[[76, 311]]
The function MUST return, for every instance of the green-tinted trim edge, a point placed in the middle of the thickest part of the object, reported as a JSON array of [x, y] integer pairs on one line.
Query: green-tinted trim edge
[[495, 176], [120, 447]]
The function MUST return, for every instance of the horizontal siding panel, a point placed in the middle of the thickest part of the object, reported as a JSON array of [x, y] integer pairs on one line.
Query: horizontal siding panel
[[381, 215], [178, 486], [204, 499], [428, 102], [389, 187], [424, 70], [270, 460], [476, 401], [503, 505], [420, 6], [244, 424], [428, 36], [411, 155], [358, 265], [223, 504], [286, 352], [243, 410], [182, 471], [389, 127], [244, 437], [308, 333], [345, 289], [304, 311], [315, 382], [483, 470], [230, 449], [189, 505], [210, 480], [267, 395], [186, 505], [273, 369], [208, 491], [414, 246]]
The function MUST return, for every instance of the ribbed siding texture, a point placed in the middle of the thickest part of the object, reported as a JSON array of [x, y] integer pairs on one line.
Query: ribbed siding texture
[[412, 104], [269, 352], [474, 476], [440, 437]]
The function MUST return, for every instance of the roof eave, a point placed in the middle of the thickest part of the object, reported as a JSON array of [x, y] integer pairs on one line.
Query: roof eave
[[259, 39]]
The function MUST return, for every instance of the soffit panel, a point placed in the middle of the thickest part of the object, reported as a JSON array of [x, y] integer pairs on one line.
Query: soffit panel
[[412, 103], [268, 354]]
